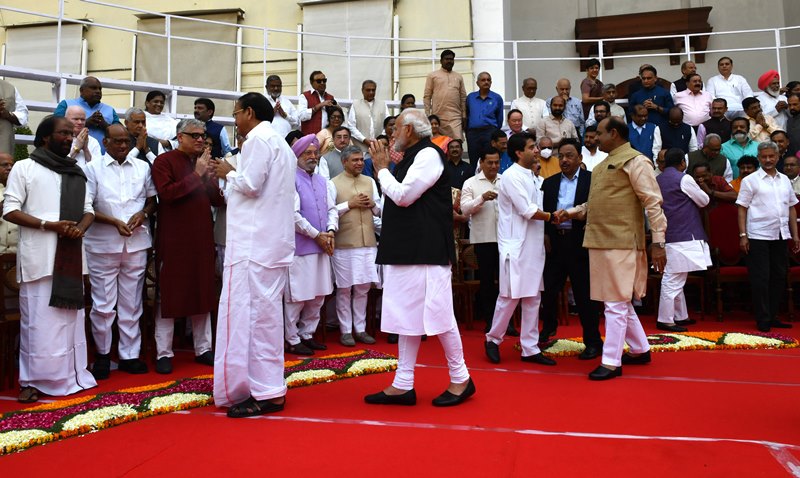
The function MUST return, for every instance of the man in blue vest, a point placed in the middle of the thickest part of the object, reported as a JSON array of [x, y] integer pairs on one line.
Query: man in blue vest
[[204, 111], [98, 115]]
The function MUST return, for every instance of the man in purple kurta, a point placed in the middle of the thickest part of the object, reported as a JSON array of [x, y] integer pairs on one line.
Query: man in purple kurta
[[185, 243]]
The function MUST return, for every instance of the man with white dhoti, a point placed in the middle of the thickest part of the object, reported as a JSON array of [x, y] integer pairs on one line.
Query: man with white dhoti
[[687, 246], [417, 250], [46, 197], [622, 185], [357, 202], [248, 366], [123, 197], [520, 240], [310, 277]]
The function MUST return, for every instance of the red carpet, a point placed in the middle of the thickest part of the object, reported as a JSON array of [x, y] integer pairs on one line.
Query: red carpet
[[698, 413]]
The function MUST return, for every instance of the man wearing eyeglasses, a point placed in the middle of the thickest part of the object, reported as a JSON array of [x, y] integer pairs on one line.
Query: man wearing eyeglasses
[[313, 104], [185, 242], [204, 111]]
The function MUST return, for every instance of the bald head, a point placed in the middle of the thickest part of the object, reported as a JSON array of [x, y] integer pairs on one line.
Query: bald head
[[563, 88], [77, 117]]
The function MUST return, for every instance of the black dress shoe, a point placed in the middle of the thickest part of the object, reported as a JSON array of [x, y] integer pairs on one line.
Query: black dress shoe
[[205, 358], [641, 359], [602, 373], [511, 331], [590, 352], [685, 322], [299, 349], [380, 398], [780, 325], [538, 358], [670, 327], [133, 366], [392, 338], [313, 344], [763, 326], [164, 365], [447, 399], [492, 351], [546, 334], [101, 368]]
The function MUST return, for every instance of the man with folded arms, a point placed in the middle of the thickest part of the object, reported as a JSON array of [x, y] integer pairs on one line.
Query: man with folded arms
[[46, 197], [123, 197], [520, 240]]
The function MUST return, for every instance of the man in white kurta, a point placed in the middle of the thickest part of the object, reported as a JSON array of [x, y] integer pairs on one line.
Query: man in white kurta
[[520, 240], [286, 116], [416, 250], [310, 277], [123, 197], [365, 117], [357, 202], [84, 146], [248, 365], [52, 355], [686, 246]]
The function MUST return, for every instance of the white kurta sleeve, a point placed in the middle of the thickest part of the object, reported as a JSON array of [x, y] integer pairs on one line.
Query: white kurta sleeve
[[469, 203], [94, 149], [291, 113], [91, 183], [20, 109], [333, 213], [351, 123], [303, 111], [518, 195], [301, 224], [426, 170], [728, 175], [251, 175], [656, 143], [376, 198], [692, 141], [16, 192], [691, 189]]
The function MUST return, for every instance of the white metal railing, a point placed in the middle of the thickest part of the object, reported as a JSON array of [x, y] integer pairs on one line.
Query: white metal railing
[[60, 80]]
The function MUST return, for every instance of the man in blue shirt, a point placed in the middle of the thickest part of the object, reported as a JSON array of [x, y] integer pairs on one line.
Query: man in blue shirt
[[656, 99], [573, 108], [98, 115], [484, 115]]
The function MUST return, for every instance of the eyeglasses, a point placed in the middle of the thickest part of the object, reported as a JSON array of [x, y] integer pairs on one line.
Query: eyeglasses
[[196, 136], [237, 112], [321, 80]]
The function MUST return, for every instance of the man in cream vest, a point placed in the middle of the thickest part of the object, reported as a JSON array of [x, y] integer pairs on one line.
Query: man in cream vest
[[13, 113], [365, 118], [357, 201], [622, 185]]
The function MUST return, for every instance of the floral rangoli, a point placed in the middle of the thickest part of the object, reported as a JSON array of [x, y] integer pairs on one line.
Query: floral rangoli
[[49, 422]]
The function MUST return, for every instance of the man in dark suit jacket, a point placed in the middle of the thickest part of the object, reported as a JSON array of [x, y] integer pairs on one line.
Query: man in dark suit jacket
[[566, 255]]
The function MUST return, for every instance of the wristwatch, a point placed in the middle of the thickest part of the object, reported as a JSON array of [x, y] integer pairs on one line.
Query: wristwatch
[[742, 234], [661, 245]]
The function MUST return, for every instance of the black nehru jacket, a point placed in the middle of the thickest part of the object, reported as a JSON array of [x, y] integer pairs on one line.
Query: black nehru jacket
[[421, 233]]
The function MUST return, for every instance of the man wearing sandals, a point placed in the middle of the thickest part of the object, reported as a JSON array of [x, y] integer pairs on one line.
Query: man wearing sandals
[[248, 367], [46, 197]]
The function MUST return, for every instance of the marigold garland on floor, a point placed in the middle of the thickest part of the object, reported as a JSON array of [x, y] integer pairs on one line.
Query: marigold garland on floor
[[66, 418], [680, 341]]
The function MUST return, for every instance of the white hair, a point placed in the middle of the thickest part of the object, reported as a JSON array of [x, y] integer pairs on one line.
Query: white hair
[[135, 110], [188, 122], [76, 108], [417, 119]]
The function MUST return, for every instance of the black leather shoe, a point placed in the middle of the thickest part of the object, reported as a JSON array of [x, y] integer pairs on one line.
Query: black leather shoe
[[313, 344], [299, 349], [670, 327], [164, 365], [538, 358], [492, 351], [101, 368], [685, 322], [447, 399], [205, 358], [380, 398], [133, 366], [512, 331], [392, 339], [763, 326], [780, 325], [546, 334], [590, 352], [602, 373], [641, 359]]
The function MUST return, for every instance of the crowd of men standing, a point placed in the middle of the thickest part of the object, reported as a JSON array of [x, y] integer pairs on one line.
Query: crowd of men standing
[[314, 199]]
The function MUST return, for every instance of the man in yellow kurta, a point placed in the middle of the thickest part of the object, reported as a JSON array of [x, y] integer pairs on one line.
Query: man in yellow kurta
[[622, 185], [446, 97]]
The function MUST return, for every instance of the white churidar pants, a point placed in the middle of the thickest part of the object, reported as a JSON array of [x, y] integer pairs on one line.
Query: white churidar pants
[[672, 303], [249, 357], [165, 329], [408, 347], [117, 279], [622, 324], [529, 329], [351, 308], [52, 343], [302, 318]]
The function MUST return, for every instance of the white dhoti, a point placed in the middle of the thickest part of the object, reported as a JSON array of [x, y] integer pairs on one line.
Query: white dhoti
[[117, 280], [165, 330], [249, 352], [355, 272], [417, 300], [309, 281], [682, 257], [622, 324], [529, 329], [52, 345]]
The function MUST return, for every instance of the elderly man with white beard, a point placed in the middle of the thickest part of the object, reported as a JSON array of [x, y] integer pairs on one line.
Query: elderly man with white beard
[[417, 250], [773, 103]]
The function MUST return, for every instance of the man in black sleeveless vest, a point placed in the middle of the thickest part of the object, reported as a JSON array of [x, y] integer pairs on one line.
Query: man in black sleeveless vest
[[204, 111], [416, 249]]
